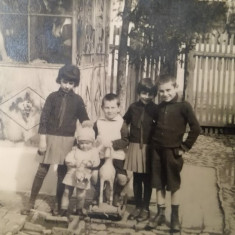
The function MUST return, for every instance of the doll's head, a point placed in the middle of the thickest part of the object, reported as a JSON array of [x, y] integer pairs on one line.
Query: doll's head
[[146, 90], [85, 137]]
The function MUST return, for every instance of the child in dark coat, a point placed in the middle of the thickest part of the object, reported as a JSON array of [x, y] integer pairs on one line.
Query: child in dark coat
[[171, 118], [56, 131], [140, 118]]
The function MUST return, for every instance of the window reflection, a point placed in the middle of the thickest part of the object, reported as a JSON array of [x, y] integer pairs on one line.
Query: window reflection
[[51, 39], [14, 37], [51, 6], [14, 6]]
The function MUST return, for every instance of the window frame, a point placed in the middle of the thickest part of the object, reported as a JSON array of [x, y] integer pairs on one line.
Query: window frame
[[78, 59]]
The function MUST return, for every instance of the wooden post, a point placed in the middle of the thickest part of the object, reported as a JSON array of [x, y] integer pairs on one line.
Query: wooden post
[[122, 56]]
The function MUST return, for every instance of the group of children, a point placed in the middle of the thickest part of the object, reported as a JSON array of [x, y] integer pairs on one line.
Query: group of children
[[147, 140]]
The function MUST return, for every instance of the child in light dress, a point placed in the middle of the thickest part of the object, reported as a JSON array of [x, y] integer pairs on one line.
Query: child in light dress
[[82, 163]]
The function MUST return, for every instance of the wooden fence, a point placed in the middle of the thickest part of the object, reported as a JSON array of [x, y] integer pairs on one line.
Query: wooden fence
[[210, 84], [149, 68], [211, 87]]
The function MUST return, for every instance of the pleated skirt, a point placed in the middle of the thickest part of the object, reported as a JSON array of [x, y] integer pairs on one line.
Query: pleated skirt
[[138, 159], [57, 149]]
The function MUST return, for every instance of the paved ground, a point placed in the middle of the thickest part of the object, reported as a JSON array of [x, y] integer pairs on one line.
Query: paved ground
[[207, 204]]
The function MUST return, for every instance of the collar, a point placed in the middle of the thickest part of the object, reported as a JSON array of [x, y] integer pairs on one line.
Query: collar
[[174, 100], [140, 103], [62, 93], [117, 118]]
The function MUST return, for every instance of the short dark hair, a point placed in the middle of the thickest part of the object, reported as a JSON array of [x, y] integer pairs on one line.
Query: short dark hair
[[110, 97], [147, 85], [165, 79], [69, 72]]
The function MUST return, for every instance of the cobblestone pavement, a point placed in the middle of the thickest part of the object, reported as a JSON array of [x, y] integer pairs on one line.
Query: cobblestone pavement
[[207, 206]]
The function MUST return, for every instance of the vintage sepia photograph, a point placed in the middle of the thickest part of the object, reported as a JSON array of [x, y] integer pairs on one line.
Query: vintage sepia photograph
[[117, 117]]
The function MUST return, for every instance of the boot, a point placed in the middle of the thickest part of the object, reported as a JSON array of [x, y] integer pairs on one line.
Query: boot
[[37, 184], [81, 212], [134, 214], [144, 215], [175, 224], [64, 213], [56, 209], [27, 208], [59, 194], [117, 198], [158, 220]]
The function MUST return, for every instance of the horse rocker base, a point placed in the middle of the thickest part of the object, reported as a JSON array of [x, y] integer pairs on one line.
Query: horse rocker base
[[109, 212]]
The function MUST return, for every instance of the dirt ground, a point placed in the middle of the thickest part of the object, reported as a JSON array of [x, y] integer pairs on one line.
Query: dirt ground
[[209, 170]]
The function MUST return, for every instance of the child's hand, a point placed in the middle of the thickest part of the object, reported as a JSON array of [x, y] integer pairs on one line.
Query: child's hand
[[42, 143], [107, 144], [181, 152], [186, 156], [70, 164], [98, 141], [90, 163]]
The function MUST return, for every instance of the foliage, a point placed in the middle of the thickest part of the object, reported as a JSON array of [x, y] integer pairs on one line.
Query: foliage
[[167, 28]]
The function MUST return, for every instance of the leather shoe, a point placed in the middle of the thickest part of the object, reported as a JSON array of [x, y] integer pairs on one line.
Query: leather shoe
[[134, 214], [144, 215], [175, 224], [157, 220], [56, 210], [81, 212], [26, 210]]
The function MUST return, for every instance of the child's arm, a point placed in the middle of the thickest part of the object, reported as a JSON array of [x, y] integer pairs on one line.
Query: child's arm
[[127, 116], [95, 158], [194, 127], [82, 113], [70, 159], [42, 143], [124, 141], [43, 124], [47, 108]]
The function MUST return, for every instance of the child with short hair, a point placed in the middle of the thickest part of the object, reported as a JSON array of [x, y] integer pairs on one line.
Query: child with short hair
[[56, 131], [140, 118], [111, 132], [171, 118], [82, 163]]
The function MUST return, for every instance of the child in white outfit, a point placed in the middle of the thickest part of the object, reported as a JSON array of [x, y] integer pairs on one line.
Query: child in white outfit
[[112, 132], [82, 163]]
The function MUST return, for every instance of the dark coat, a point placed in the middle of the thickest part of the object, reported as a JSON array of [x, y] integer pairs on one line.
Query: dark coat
[[74, 110], [133, 117], [170, 120]]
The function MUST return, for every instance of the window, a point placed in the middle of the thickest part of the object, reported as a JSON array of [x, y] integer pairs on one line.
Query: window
[[51, 31]]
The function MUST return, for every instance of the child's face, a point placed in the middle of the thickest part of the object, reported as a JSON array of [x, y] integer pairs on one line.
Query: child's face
[[167, 91], [66, 85], [110, 109], [85, 145], [146, 97]]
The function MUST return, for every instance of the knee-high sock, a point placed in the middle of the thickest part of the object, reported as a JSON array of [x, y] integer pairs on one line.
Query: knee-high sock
[[38, 181], [61, 172], [147, 190], [137, 186]]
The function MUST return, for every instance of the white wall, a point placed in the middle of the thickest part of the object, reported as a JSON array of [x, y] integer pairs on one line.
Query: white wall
[[18, 167]]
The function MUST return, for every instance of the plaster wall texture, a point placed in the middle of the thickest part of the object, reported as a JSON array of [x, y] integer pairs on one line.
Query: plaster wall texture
[[18, 168]]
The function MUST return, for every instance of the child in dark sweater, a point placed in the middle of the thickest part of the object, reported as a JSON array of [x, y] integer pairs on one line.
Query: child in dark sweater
[[62, 110], [171, 118], [140, 118]]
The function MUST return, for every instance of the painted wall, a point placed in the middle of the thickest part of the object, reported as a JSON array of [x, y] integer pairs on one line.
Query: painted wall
[[18, 168], [22, 94]]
